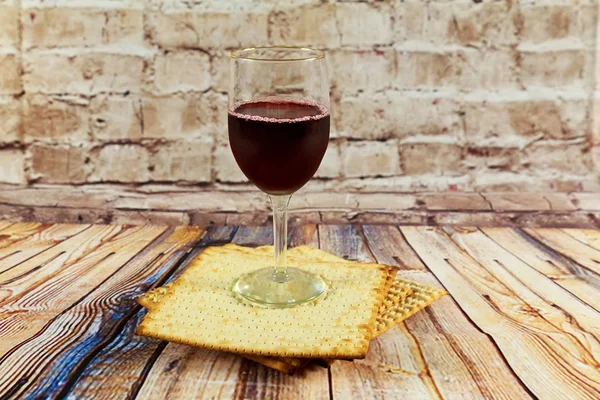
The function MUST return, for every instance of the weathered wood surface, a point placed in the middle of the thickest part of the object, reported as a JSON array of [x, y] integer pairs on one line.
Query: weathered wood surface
[[185, 205], [435, 354], [522, 320]]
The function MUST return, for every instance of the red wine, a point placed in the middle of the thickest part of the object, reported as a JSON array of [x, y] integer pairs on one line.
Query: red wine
[[279, 143]]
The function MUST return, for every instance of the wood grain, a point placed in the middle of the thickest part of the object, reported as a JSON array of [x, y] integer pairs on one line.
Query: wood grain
[[34, 244], [522, 322], [4, 225], [590, 237], [553, 361], [83, 327], [23, 317], [393, 351], [434, 354], [388, 246], [135, 355], [344, 241], [19, 231], [193, 369], [20, 278], [563, 271], [567, 245]]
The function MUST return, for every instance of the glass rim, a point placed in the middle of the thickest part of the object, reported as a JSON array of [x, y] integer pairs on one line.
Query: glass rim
[[317, 54]]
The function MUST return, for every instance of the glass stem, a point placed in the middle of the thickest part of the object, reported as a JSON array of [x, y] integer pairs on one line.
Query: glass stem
[[280, 205]]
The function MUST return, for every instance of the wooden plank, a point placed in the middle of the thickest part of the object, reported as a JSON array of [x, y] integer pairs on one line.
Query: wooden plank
[[24, 315], [17, 280], [389, 247], [303, 234], [452, 201], [568, 274], [36, 243], [187, 372], [4, 225], [567, 245], [517, 201], [559, 307], [135, 355], [80, 331], [19, 231], [422, 357], [591, 237], [344, 241], [253, 236], [393, 351], [551, 362]]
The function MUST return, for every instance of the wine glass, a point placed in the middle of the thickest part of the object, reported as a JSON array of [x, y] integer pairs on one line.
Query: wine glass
[[278, 132]]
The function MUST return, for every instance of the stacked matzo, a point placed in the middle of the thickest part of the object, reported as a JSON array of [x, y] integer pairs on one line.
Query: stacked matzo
[[363, 301]]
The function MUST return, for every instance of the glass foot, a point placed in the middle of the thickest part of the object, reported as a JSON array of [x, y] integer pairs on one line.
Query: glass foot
[[294, 287]]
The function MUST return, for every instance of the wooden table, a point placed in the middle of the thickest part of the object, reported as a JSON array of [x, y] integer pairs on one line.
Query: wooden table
[[522, 320]]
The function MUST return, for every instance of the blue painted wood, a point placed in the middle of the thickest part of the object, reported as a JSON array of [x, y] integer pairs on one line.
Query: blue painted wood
[[107, 319], [118, 369]]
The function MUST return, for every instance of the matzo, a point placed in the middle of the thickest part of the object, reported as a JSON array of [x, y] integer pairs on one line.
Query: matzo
[[201, 309]]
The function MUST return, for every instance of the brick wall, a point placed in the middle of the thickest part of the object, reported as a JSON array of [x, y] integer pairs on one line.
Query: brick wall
[[426, 95]]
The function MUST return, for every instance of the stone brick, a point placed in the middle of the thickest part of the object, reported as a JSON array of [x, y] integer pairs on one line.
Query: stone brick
[[398, 114], [304, 26], [552, 68], [9, 26], [58, 164], [411, 23], [216, 104], [180, 116], [560, 156], [51, 118], [587, 23], [421, 66], [83, 73], [590, 68], [595, 112], [520, 114], [596, 70], [188, 161], [116, 117], [10, 74], [361, 71], [362, 159], [489, 69], [199, 30], [431, 158], [219, 70], [125, 26], [521, 182], [596, 157], [151, 78], [62, 26], [181, 72], [10, 120], [451, 22], [13, 166], [574, 117], [120, 163], [332, 164], [492, 158], [364, 24], [72, 26], [427, 68], [226, 168], [543, 22], [493, 23]]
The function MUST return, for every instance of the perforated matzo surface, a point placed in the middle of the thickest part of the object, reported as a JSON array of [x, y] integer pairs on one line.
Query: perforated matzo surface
[[420, 297], [202, 310]]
